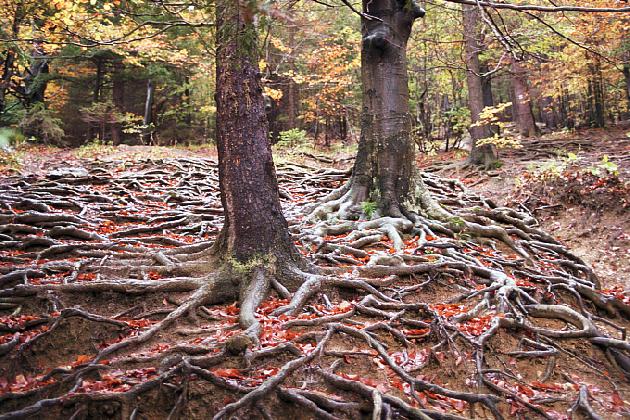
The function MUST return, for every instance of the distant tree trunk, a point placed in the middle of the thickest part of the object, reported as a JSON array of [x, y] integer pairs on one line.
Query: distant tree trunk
[[7, 74], [291, 89], [35, 79], [626, 75], [488, 97], [485, 155], [486, 85], [547, 112], [148, 113], [188, 102], [98, 80], [118, 99], [9, 61], [595, 93], [384, 169], [521, 106], [272, 110], [254, 225]]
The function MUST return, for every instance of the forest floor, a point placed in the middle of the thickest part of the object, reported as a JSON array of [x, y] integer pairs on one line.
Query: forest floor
[[590, 216], [82, 337]]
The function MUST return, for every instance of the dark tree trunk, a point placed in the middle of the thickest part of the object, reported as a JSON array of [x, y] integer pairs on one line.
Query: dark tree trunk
[[486, 85], [118, 99], [547, 112], [254, 225], [7, 74], [626, 75], [98, 81], [36, 79], [187, 100], [9, 61], [384, 167], [521, 106], [486, 154], [595, 93], [148, 113]]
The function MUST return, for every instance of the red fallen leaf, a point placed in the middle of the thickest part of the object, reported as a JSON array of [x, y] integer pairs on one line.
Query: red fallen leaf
[[232, 309], [228, 373], [458, 405], [81, 359], [616, 399], [525, 390], [423, 399], [353, 377], [160, 347], [154, 275], [422, 331], [86, 276], [139, 323]]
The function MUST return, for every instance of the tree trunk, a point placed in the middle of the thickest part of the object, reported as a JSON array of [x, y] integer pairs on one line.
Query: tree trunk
[[291, 89], [547, 112], [626, 75], [148, 113], [595, 93], [118, 99], [7, 74], [254, 226], [9, 61], [522, 107], [98, 81], [384, 167], [36, 79], [486, 154], [486, 85]]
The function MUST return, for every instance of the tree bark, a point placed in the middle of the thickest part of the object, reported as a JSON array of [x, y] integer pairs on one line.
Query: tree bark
[[254, 225], [486, 154], [98, 81], [5, 81], [522, 107], [148, 113], [36, 79], [595, 93], [292, 99], [626, 75], [9, 61], [486, 85], [118, 99], [385, 164]]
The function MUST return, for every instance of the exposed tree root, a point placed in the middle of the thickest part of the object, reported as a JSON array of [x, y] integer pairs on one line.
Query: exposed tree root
[[475, 313]]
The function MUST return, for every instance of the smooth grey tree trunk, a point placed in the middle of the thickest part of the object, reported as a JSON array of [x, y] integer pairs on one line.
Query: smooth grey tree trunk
[[148, 112]]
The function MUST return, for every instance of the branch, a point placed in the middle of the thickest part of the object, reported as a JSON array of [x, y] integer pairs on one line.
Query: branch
[[363, 15], [534, 8]]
